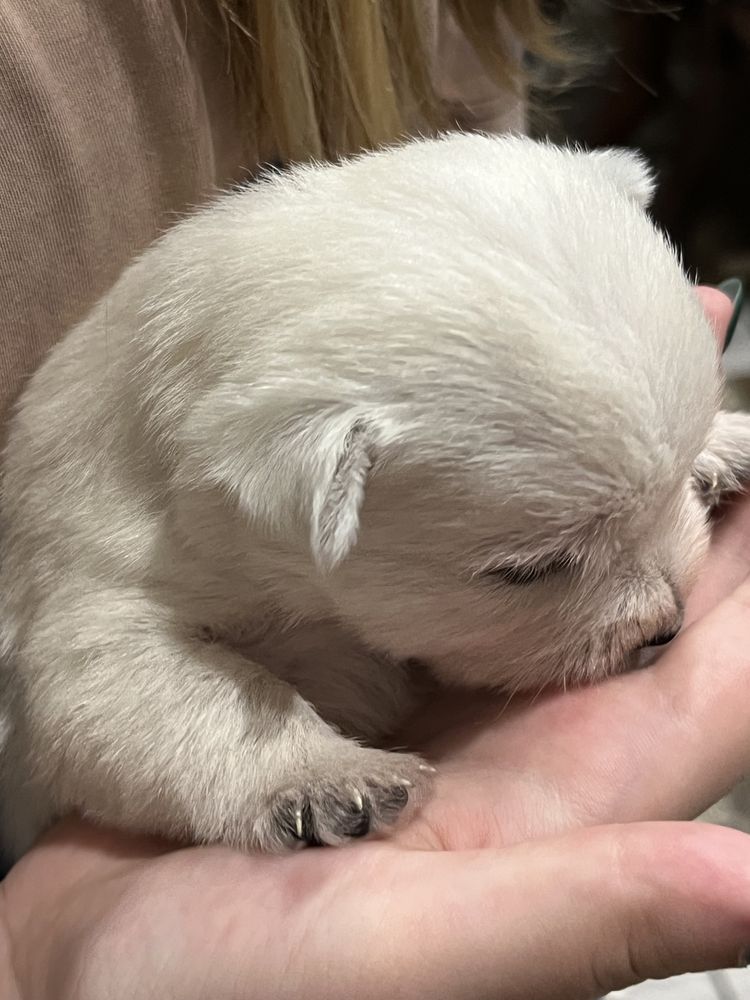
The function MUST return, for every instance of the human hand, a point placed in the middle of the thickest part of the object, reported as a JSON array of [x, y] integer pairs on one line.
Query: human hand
[[94, 915], [462, 902]]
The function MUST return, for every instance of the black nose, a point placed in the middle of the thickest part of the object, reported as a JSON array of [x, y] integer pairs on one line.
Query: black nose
[[663, 638]]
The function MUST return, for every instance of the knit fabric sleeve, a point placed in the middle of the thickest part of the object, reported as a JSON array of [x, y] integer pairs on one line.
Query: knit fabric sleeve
[[115, 116]]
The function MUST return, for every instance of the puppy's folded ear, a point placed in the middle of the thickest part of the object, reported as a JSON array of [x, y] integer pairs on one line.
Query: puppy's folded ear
[[629, 171], [724, 464], [338, 493], [295, 467]]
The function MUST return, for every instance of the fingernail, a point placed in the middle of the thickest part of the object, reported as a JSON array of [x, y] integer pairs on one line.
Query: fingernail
[[733, 288], [744, 958]]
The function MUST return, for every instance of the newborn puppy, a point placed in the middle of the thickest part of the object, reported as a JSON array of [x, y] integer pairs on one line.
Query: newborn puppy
[[447, 407]]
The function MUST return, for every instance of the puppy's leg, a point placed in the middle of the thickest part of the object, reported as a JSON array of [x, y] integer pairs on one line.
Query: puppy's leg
[[724, 464], [361, 692], [133, 721]]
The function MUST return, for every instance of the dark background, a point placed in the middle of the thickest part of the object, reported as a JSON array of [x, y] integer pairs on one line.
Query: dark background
[[673, 80]]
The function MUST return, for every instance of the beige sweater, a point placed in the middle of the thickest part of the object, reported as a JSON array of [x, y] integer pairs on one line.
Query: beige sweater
[[115, 117]]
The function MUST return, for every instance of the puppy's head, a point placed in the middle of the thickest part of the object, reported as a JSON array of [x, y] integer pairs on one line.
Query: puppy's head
[[489, 421]]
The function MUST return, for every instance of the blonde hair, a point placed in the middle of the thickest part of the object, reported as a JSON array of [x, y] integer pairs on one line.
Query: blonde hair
[[319, 79]]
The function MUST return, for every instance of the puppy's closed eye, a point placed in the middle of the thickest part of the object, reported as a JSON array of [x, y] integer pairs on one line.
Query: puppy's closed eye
[[522, 574]]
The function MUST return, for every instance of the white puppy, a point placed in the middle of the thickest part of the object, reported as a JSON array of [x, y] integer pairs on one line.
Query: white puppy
[[452, 404]]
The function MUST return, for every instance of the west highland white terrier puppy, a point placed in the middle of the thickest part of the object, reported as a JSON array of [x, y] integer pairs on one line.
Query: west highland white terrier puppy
[[450, 407]]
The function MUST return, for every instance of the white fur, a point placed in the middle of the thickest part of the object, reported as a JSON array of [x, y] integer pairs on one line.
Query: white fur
[[274, 463]]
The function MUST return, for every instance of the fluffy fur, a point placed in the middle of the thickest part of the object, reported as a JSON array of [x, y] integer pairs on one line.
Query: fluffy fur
[[452, 403]]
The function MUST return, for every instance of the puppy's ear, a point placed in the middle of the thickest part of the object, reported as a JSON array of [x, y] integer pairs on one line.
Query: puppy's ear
[[724, 464], [339, 492], [295, 467], [630, 172]]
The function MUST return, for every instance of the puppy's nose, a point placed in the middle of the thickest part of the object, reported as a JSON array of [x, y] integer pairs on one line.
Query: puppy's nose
[[663, 637], [670, 631]]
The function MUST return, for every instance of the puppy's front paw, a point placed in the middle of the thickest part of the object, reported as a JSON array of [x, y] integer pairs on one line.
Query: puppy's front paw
[[724, 464], [345, 796]]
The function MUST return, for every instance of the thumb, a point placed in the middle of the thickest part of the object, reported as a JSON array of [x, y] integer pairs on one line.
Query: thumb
[[573, 917]]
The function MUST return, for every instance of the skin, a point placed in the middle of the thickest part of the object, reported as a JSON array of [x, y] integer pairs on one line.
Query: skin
[[551, 860]]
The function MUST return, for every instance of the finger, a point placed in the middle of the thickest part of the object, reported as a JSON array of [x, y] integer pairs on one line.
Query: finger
[[572, 917], [718, 307], [567, 918], [703, 685], [670, 741], [662, 743], [729, 561]]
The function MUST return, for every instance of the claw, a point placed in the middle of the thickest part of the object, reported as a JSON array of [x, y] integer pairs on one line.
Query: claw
[[358, 801], [298, 822], [428, 767]]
